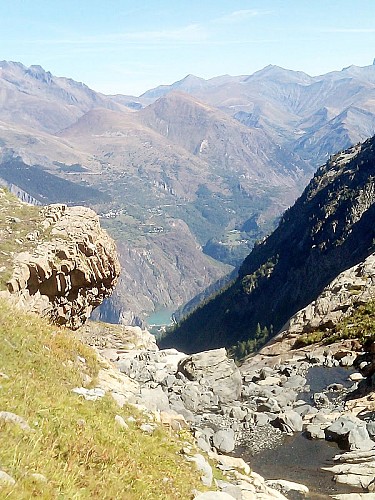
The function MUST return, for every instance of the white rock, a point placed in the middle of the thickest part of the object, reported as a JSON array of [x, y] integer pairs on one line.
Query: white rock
[[121, 422], [6, 479]]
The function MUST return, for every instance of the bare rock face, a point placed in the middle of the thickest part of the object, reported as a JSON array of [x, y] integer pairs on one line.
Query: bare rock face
[[351, 288], [69, 271]]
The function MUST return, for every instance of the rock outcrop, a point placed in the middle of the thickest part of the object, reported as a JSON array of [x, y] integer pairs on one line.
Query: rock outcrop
[[69, 269], [351, 288]]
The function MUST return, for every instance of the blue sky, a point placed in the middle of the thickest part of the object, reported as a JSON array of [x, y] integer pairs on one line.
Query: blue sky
[[122, 46]]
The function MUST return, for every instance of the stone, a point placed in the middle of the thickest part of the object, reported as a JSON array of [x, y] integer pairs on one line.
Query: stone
[[224, 440], [148, 428], [213, 495], [153, 399], [67, 275], [354, 496], [204, 467], [267, 405], [286, 487], [371, 428], [230, 463], [89, 394], [295, 382], [288, 421], [238, 413], [262, 418], [121, 422], [314, 431], [6, 479], [12, 418], [305, 409], [350, 432], [218, 371], [173, 420]]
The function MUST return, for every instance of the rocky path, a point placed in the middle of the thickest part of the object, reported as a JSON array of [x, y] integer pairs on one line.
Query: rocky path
[[253, 408]]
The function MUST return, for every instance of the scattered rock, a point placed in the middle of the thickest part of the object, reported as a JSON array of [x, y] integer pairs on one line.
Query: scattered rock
[[12, 418], [224, 440], [121, 422], [289, 421], [204, 467], [6, 479], [287, 487], [215, 369], [89, 394]]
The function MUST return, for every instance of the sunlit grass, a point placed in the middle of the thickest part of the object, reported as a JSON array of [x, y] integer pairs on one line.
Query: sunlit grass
[[75, 444]]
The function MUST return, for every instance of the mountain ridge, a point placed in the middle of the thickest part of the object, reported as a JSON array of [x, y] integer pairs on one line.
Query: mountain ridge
[[328, 229]]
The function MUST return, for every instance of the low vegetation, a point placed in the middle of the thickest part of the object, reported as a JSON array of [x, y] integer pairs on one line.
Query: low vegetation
[[19, 225], [74, 446], [360, 326]]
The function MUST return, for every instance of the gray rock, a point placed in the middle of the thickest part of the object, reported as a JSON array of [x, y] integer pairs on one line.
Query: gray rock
[[148, 428], [213, 495], [220, 373], [153, 399], [204, 467], [321, 399], [266, 372], [295, 382], [349, 432], [371, 428], [6, 479], [305, 409], [121, 422], [288, 421], [262, 418], [238, 413], [287, 487], [9, 417], [314, 431], [267, 404], [231, 489], [224, 440]]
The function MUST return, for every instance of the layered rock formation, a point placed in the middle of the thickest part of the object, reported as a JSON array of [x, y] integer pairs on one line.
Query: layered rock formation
[[69, 267]]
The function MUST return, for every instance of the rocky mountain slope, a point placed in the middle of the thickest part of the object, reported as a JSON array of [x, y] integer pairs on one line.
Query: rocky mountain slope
[[329, 228], [213, 164], [56, 260]]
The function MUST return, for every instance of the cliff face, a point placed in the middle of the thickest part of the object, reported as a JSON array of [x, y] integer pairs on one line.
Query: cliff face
[[63, 264], [329, 229]]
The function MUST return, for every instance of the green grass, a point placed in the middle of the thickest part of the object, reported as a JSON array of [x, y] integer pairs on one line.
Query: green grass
[[13, 234], [360, 326], [75, 443]]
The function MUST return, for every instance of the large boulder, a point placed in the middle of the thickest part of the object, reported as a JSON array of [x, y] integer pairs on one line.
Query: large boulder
[[215, 370], [69, 270]]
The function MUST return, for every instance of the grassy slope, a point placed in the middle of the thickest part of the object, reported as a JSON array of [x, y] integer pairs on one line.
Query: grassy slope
[[360, 326], [17, 220], [75, 443]]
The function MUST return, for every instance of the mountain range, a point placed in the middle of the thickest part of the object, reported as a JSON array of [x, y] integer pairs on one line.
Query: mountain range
[[185, 177]]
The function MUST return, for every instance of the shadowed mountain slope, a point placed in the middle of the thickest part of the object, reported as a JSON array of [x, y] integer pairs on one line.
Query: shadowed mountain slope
[[330, 228]]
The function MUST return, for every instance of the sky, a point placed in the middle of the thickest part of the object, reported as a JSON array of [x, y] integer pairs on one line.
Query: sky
[[128, 47]]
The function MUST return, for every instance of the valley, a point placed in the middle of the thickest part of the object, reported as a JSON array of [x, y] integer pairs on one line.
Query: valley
[[186, 177]]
